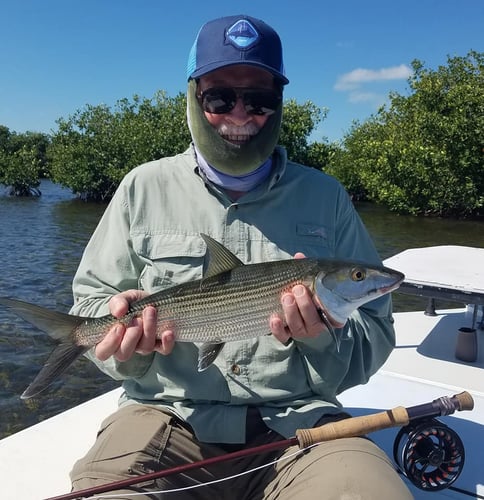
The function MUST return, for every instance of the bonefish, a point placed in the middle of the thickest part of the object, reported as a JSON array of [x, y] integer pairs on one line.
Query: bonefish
[[232, 301]]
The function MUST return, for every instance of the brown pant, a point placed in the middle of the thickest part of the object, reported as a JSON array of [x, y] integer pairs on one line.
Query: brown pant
[[139, 439]]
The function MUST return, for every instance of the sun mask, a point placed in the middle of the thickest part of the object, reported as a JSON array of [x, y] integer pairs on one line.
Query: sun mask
[[232, 159]]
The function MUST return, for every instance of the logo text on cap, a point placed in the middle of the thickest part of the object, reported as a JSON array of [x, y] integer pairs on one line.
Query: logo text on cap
[[242, 34]]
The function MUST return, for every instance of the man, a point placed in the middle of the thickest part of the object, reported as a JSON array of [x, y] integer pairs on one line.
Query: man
[[236, 185]]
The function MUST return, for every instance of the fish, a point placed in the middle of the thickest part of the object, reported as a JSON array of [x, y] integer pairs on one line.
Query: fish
[[232, 301]]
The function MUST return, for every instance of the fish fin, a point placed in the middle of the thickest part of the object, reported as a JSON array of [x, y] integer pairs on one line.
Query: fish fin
[[219, 258], [207, 353], [59, 360], [57, 325], [330, 328]]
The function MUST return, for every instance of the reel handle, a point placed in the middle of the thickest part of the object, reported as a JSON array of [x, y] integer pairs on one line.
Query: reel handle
[[397, 417]]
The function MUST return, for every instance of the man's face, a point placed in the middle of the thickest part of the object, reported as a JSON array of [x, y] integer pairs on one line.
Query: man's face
[[237, 125]]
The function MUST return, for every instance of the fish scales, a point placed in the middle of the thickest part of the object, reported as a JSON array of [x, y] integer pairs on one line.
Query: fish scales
[[234, 306]]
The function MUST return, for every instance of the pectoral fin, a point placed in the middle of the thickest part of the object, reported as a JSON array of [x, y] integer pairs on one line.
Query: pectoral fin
[[207, 353]]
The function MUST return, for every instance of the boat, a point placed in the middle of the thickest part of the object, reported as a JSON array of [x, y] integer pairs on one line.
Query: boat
[[438, 353]]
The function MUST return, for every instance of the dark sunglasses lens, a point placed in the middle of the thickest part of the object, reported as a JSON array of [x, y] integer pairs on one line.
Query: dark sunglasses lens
[[256, 101], [219, 101], [261, 102]]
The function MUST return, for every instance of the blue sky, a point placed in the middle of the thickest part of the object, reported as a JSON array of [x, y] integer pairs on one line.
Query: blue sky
[[59, 55]]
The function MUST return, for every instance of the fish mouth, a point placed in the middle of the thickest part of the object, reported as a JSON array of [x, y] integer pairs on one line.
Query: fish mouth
[[390, 288]]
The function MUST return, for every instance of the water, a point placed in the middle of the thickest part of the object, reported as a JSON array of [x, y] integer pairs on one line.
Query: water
[[41, 243]]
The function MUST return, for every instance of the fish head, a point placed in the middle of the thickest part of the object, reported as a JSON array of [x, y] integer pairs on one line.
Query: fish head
[[345, 286]]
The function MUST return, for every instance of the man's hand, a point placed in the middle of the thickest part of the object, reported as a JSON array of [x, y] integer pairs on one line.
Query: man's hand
[[301, 317], [139, 336]]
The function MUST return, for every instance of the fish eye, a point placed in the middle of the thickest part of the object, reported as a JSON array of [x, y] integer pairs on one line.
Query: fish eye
[[358, 274]]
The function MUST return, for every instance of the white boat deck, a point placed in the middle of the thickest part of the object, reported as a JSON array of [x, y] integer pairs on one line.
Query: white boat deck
[[448, 266], [449, 272]]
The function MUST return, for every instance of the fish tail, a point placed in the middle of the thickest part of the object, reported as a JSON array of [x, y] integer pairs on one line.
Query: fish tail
[[59, 326]]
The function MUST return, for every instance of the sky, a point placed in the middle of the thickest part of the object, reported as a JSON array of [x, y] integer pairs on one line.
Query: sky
[[57, 56]]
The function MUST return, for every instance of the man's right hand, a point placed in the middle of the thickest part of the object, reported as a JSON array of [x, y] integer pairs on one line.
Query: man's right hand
[[140, 336]]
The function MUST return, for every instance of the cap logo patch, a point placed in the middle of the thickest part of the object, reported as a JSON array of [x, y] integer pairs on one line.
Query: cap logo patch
[[242, 34]]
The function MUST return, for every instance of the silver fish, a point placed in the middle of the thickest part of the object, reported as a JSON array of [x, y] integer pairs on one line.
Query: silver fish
[[232, 301]]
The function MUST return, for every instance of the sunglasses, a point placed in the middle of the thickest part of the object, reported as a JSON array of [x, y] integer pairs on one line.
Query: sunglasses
[[220, 100]]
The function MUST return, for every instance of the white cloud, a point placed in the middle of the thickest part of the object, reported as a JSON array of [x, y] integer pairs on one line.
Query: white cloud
[[365, 97], [354, 79]]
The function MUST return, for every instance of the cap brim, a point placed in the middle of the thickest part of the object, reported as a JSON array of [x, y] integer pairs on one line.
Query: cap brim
[[221, 64]]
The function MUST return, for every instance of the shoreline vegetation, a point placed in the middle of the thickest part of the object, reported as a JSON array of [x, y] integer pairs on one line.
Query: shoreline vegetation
[[421, 154]]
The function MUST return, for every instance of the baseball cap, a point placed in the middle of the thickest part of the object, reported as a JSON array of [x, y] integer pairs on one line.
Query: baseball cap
[[236, 40]]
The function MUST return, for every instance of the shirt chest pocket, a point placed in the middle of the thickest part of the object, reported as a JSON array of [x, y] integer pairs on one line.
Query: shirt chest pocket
[[170, 259]]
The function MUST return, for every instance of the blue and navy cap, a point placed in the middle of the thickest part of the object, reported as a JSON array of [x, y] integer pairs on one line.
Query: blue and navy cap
[[236, 40]]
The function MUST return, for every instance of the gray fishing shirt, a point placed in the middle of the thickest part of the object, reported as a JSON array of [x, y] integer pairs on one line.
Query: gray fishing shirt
[[149, 239]]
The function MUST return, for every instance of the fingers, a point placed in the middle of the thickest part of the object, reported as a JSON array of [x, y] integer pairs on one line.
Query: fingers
[[140, 336], [119, 304], [279, 330], [133, 335], [121, 341], [302, 319], [166, 344], [149, 340], [110, 343], [308, 322], [145, 331]]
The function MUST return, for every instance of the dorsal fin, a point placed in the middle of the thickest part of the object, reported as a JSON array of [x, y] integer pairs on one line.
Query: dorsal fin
[[219, 258]]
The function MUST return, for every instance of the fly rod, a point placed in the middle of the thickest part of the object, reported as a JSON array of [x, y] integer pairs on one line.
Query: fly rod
[[350, 427]]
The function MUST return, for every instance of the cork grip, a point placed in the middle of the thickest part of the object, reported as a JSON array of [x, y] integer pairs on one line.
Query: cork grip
[[352, 427]]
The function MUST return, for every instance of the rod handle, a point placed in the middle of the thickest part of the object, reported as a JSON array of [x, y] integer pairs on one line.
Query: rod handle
[[353, 427]]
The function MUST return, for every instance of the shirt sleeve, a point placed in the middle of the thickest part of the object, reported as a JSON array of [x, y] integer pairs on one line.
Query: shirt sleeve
[[108, 266]]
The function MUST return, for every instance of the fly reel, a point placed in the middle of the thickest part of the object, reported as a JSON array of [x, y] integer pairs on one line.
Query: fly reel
[[430, 454]]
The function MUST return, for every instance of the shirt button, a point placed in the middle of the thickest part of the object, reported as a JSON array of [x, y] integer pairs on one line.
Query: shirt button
[[235, 369]]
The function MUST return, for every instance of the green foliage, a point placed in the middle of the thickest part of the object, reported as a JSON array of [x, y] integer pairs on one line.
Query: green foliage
[[348, 163], [298, 123], [423, 153], [93, 149], [5, 135], [22, 161]]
